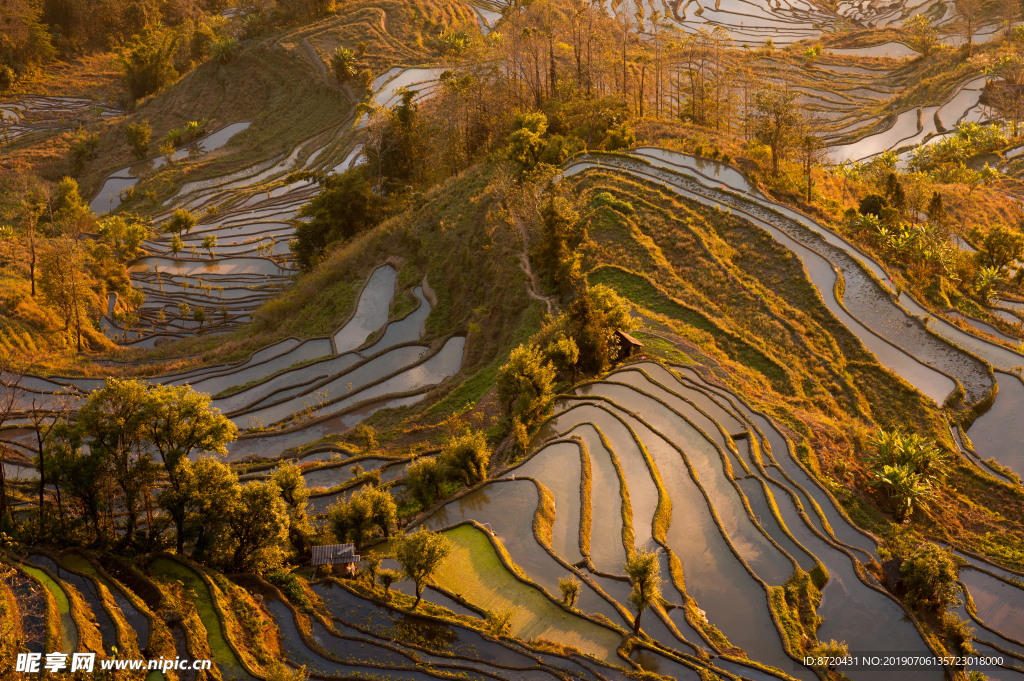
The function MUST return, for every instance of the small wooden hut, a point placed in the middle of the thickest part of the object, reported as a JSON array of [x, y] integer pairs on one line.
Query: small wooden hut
[[340, 558]]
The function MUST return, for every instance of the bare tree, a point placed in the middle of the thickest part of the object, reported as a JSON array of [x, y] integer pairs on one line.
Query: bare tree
[[810, 148], [967, 24], [776, 121]]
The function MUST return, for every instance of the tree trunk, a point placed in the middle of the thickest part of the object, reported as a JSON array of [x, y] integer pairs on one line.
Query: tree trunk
[[419, 595], [42, 479], [636, 624]]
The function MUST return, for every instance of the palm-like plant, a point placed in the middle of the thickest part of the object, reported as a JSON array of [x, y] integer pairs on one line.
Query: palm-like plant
[[986, 281], [906, 466], [343, 61]]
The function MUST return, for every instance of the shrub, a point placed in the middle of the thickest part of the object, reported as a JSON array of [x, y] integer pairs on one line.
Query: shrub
[[147, 63], [621, 137], [872, 204], [138, 135], [525, 384], [467, 457], [606, 199], [930, 576], [7, 77]]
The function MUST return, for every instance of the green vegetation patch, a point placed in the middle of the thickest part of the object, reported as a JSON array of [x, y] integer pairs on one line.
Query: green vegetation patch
[[475, 572]]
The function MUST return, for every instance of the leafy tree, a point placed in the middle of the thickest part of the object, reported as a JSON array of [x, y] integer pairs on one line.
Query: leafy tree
[[346, 206], [570, 587], [138, 135], [425, 479], [343, 61], [181, 221], [387, 578], [288, 477], [178, 423], [564, 353], [593, 317], [371, 566], [199, 316], [81, 474], [68, 286], [644, 571], [210, 243], [83, 148], [923, 35], [562, 232], [775, 118], [208, 490], [176, 245], [257, 524], [68, 207], [369, 509], [526, 142], [468, 457], [148, 62], [1000, 247], [930, 577], [621, 137], [525, 384], [123, 236], [113, 424], [421, 555], [223, 50]]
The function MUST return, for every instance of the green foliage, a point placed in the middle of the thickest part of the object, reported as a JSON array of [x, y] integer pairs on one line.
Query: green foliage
[[223, 50], [999, 247], [68, 206], [113, 424], [123, 236], [288, 477], [279, 671], [922, 35], [644, 571], [562, 231], [467, 457], [872, 204], [959, 633], [290, 586], [347, 206], [83, 148], [930, 576], [525, 384], [570, 587], [343, 61], [257, 524], [592, 319], [368, 510], [387, 578], [425, 480], [138, 135], [186, 134], [526, 141], [901, 448], [621, 137], [147, 62], [181, 221], [371, 563], [421, 555], [563, 352], [607, 199]]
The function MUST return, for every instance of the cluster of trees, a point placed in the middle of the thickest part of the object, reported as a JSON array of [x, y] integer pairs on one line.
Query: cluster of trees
[[126, 473], [68, 273], [463, 461], [915, 232]]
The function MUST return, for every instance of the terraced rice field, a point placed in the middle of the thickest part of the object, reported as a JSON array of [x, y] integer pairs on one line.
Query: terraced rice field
[[655, 456]]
